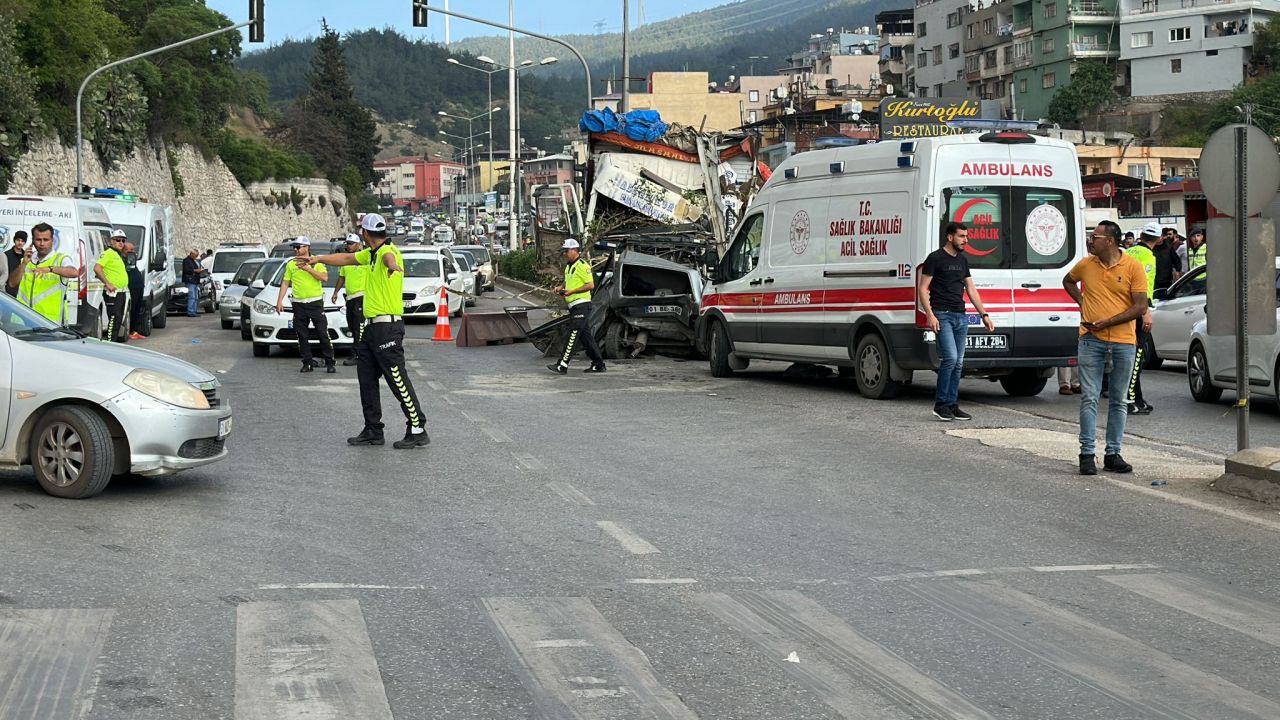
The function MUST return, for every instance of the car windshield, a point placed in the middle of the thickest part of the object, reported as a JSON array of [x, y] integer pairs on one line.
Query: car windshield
[[267, 269], [132, 233], [422, 267], [225, 261], [480, 254], [464, 260], [19, 321], [246, 271]]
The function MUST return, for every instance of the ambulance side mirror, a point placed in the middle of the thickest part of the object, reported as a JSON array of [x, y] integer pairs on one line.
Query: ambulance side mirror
[[712, 261]]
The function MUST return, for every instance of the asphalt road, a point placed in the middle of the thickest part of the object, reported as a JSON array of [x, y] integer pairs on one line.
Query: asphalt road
[[650, 543]]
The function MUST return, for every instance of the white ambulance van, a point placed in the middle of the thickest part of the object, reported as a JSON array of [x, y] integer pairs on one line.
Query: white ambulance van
[[150, 229], [823, 266], [81, 229]]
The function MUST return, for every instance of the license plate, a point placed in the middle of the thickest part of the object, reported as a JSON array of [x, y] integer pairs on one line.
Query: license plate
[[224, 427], [290, 324], [654, 309], [986, 342]]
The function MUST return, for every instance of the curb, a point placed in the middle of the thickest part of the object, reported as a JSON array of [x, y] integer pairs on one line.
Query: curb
[[1252, 474]]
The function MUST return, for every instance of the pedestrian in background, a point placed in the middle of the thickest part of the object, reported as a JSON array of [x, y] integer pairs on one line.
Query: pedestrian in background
[[1114, 295], [136, 302], [304, 280], [13, 257], [944, 281], [576, 290], [191, 272], [1168, 266], [352, 278], [1196, 251], [1069, 380], [1144, 253], [110, 270], [1129, 240]]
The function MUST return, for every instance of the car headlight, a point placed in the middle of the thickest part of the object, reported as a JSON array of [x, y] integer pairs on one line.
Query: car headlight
[[229, 300], [167, 388], [262, 307], [180, 291]]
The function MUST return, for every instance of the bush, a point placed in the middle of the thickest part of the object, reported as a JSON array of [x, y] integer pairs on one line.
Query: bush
[[521, 265], [254, 161]]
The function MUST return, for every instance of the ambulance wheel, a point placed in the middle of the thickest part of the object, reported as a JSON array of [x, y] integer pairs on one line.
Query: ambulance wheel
[[871, 369], [161, 320], [147, 323], [1023, 383], [720, 351]]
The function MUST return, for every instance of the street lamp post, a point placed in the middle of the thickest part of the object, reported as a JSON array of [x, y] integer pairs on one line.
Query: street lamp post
[[470, 135], [489, 77]]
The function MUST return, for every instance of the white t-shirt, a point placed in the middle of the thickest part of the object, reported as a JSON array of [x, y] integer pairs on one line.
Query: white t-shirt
[[207, 264]]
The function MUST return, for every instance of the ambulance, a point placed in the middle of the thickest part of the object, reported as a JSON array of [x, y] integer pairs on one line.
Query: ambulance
[[824, 264]]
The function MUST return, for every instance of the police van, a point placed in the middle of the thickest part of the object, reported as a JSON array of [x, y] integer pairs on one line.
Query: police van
[[81, 229], [150, 229], [824, 264]]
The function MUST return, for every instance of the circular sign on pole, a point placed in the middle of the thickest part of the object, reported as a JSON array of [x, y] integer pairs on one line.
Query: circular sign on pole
[[1218, 170]]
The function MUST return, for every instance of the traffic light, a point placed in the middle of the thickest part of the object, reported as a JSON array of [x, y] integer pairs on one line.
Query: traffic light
[[419, 14], [257, 32]]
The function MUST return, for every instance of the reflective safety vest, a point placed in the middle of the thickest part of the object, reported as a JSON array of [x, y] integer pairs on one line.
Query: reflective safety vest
[[1198, 256], [46, 294]]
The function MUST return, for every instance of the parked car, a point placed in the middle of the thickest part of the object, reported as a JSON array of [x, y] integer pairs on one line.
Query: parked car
[[178, 292], [227, 260], [129, 410], [1175, 311], [1211, 360], [484, 264], [424, 273], [318, 247], [229, 300], [268, 328], [471, 279], [265, 271]]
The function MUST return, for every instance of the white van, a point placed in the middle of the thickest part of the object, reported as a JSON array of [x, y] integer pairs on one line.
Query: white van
[[150, 229], [824, 263], [81, 229], [228, 258]]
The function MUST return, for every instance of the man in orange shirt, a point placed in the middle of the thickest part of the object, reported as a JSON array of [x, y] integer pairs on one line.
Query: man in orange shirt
[[1114, 294]]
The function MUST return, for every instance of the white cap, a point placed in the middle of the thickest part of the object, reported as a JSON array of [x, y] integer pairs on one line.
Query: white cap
[[570, 244], [373, 222], [118, 233], [301, 240], [353, 238], [1152, 229]]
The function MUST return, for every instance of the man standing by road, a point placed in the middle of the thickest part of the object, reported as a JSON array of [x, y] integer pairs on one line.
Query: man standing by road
[[191, 272], [1168, 265], [382, 341], [137, 309], [353, 277], [111, 272], [13, 257], [1114, 295], [42, 276], [1196, 249], [306, 279], [1143, 253], [578, 284], [944, 282]]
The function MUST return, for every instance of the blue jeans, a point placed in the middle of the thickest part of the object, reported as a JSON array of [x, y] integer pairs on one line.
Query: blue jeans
[[1093, 365], [953, 328], [193, 297]]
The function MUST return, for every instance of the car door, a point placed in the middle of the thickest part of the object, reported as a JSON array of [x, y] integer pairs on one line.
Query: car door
[[739, 283], [454, 281], [1173, 317], [6, 386]]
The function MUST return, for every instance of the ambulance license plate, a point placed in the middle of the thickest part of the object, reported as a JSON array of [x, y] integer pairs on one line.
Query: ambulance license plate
[[224, 427], [655, 309], [986, 342]]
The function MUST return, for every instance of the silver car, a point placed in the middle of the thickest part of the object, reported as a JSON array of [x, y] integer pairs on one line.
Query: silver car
[[229, 298], [80, 411]]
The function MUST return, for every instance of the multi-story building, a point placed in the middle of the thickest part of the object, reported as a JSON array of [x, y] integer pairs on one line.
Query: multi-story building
[[939, 56], [415, 182], [754, 92], [685, 98], [897, 43], [989, 53], [1182, 46], [1061, 34]]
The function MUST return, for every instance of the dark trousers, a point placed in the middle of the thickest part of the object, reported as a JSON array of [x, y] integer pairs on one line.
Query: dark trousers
[[580, 332], [355, 321], [136, 310], [1135, 380], [312, 314], [115, 316], [381, 356]]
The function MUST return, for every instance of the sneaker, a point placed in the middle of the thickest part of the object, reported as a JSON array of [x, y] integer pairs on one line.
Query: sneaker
[[307, 368], [1064, 389], [1147, 407], [959, 414], [330, 368], [1116, 464], [1077, 389], [1139, 409], [558, 369], [413, 439], [136, 336], [350, 362], [367, 437], [1089, 465], [943, 413], [595, 369]]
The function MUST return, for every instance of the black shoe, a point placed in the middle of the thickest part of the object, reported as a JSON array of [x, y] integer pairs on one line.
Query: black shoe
[[350, 361], [412, 440], [595, 369], [1089, 465], [558, 369], [307, 367], [943, 413], [1139, 409], [330, 368], [959, 414], [1147, 407], [1116, 464], [367, 437]]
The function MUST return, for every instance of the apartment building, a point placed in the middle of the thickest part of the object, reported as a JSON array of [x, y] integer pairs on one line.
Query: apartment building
[[939, 51], [415, 182], [1061, 33], [1181, 46], [685, 98], [897, 45], [989, 54]]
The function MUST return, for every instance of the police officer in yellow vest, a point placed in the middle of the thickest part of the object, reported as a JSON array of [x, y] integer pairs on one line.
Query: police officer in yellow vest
[[382, 341], [1143, 253], [578, 284], [41, 278], [110, 270], [1197, 250], [352, 278]]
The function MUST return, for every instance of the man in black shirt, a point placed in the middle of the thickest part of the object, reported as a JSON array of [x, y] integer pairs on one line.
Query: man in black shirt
[[1168, 264], [944, 282], [14, 258]]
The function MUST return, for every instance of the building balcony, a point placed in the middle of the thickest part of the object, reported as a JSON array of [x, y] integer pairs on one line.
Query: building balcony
[[1021, 26], [1093, 50], [1023, 62], [1005, 30], [1091, 7]]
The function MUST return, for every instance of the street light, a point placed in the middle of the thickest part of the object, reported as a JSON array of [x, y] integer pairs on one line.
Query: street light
[[470, 134], [489, 78]]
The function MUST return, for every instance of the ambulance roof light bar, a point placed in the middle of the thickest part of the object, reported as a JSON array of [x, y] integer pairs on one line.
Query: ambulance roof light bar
[[1006, 137]]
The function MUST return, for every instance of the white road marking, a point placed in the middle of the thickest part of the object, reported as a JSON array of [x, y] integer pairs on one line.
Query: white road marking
[[495, 435], [1092, 568], [306, 660], [570, 493], [971, 572], [448, 399], [471, 416], [1246, 616], [567, 643], [661, 581], [325, 389], [47, 662], [528, 461], [633, 543], [339, 381], [435, 386], [338, 586], [931, 574], [415, 364]]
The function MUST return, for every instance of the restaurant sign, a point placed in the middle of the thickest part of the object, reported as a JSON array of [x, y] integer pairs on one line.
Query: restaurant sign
[[904, 118]]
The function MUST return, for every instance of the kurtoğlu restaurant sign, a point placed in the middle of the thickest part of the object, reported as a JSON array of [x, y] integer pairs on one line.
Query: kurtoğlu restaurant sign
[[918, 117]]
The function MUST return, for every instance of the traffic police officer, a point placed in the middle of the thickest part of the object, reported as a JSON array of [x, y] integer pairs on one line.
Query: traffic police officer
[[381, 346], [352, 277], [307, 281], [42, 276], [1197, 250], [578, 284], [111, 271], [1143, 253]]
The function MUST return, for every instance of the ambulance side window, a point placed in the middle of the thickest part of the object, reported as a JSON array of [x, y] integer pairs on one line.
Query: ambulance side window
[[744, 254]]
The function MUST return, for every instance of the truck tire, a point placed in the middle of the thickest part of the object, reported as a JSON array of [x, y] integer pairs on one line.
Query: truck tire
[[1201, 384], [261, 350], [147, 323], [71, 452], [719, 350], [1023, 383], [161, 320], [871, 369], [613, 346]]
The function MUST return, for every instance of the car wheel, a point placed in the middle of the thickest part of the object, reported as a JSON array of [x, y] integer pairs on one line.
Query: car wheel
[[228, 324], [1202, 387], [71, 452], [871, 369], [261, 350], [145, 329], [159, 322], [613, 346], [720, 351], [244, 330], [1023, 383], [1150, 360]]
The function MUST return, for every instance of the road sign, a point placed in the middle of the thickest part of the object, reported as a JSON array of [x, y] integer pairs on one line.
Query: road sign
[[1219, 170], [1261, 281]]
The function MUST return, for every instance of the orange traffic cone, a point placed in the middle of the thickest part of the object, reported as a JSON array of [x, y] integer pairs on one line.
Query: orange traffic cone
[[444, 333]]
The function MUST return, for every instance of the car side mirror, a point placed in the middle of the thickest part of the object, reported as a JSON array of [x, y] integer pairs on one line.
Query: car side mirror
[[259, 285], [712, 261], [451, 276]]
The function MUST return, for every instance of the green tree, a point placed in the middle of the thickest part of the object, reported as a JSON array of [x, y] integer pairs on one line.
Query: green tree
[[115, 120], [1092, 87], [19, 114], [1266, 45]]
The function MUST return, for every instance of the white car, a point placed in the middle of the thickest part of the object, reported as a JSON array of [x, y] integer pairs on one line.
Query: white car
[[268, 327], [442, 235], [1211, 360], [484, 262], [468, 277], [1175, 311], [424, 274], [229, 300]]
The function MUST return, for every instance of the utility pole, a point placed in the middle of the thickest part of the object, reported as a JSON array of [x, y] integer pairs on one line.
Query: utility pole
[[513, 217], [625, 106]]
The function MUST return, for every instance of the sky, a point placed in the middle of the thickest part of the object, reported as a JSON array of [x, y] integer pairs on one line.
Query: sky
[[298, 19]]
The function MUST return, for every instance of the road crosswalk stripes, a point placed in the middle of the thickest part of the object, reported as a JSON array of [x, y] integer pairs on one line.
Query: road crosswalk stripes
[[1246, 616], [849, 671], [574, 664], [47, 659], [310, 659]]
